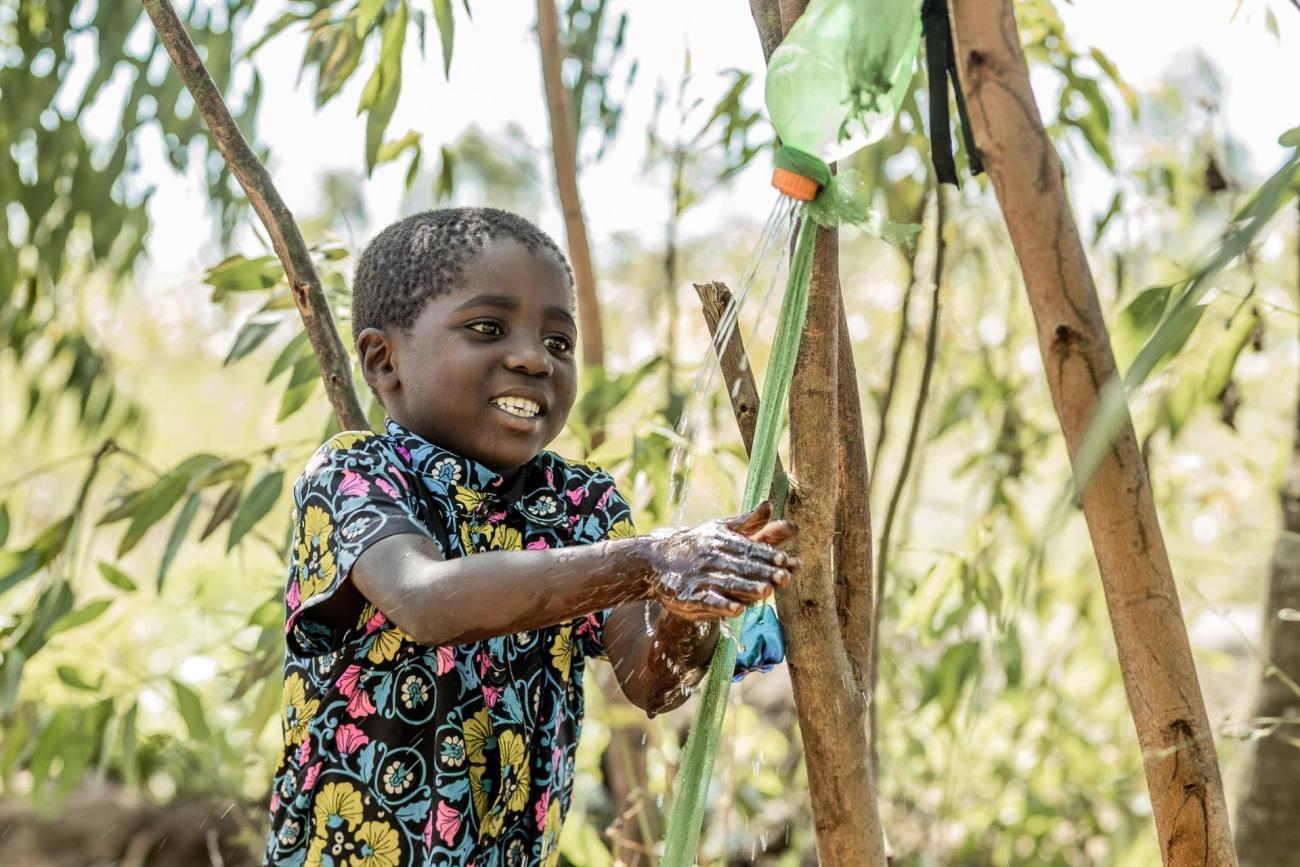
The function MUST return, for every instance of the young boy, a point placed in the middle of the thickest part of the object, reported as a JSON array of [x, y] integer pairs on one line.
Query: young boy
[[433, 700]]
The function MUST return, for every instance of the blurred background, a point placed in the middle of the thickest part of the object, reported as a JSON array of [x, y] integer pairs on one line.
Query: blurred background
[[158, 397]]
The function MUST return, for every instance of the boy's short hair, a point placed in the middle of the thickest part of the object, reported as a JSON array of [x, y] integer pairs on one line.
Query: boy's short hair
[[424, 255]]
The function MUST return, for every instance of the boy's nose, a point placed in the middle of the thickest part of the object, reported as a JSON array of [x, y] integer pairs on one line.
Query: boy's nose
[[532, 359]]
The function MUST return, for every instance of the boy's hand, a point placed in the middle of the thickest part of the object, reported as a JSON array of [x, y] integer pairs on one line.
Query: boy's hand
[[716, 569]]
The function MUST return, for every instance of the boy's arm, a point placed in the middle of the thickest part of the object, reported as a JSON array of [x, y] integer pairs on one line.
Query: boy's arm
[[658, 667], [703, 573]]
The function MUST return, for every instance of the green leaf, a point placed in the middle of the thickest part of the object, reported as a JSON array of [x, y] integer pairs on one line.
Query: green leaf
[[87, 613], [295, 398], [225, 508], [251, 336], [38, 555], [225, 471], [366, 13], [1290, 138], [1136, 322], [179, 529], [11, 677], [289, 356], [1226, 352], [266, 706], [130, 766], [72, 677], [447, 30], [155, 504], [4, 523], [381, 91], [116, 576], [238, 273], [256, 505], [191, 709], [391, 150], [273, 29]]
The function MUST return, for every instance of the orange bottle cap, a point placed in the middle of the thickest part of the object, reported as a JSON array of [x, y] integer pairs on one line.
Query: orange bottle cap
[[794, 185]]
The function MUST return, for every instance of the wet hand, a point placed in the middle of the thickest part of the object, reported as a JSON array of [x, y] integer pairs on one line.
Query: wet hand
[[717, 569]]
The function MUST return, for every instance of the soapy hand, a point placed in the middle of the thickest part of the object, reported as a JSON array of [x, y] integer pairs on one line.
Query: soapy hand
[[716, 569]]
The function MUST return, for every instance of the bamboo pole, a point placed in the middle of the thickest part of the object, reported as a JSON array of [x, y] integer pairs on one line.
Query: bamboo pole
[[286, 240], [1155, 657]]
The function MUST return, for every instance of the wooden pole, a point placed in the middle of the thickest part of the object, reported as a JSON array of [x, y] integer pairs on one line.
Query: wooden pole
[[1155, 657]]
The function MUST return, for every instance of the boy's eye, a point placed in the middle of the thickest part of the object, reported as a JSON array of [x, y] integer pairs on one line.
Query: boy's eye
[[486, 326], [559, 343]]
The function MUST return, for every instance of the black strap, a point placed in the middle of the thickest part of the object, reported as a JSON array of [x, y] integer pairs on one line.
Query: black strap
[[940, 66]]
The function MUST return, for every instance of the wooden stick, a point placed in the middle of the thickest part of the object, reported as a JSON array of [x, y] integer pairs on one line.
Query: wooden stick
[[1155, 657], [304, 282]]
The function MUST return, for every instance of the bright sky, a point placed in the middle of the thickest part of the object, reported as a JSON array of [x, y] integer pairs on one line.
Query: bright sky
[[495, 80]]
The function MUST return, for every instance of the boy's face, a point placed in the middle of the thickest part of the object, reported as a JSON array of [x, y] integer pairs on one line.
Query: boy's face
[[487, 370]]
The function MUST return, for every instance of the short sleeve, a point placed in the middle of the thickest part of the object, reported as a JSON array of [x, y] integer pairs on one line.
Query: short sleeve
[[355, 490], [601, 514]]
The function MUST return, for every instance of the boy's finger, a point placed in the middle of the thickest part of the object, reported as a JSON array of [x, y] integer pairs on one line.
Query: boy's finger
[[750, 521], [775, 533], [743, 589], [760, 552]]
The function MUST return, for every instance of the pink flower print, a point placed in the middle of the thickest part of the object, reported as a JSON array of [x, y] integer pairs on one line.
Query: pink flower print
[[540, 808], [376, 622], [405, 453], [360, 705], [397, 474], [293, 597], [349, 739], [550, 478], [448, 823], [491, 694], [496, 517], [304, 751], [537, 545], [348, 680], [573, 520], [587, 626], [428, 833], [354, 485], [386, 488], [576, 495], [484, 663], [604, 498], [275, 801], [446, 660], [309, 780], [557, 755]]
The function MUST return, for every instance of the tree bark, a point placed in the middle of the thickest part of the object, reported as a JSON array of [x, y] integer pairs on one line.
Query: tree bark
[[1267, 830], [1155, 657], [564, 151], [331, 355]]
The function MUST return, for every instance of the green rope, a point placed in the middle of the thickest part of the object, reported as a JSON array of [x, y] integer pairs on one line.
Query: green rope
[[696, 768]]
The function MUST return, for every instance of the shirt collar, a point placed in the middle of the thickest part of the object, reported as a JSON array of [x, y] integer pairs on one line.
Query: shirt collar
[[446, 468]]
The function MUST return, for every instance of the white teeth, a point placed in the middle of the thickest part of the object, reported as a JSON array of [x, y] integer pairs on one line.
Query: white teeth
[[520, 406]]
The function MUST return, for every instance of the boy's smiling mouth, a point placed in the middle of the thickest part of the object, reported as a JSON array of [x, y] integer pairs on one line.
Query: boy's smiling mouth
[[519, 406]]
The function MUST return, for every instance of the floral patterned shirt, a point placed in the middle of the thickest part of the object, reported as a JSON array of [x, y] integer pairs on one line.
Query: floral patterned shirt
[[399, 754]]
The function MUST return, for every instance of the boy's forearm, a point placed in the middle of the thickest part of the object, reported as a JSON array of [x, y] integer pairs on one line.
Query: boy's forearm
[[657, 667], [494, 593]]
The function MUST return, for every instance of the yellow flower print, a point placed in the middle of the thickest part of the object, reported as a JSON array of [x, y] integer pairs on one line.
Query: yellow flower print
[[503, 538], [551, 835], [622, 530], [514, 770], [490, 827], [379, 846], [367, 612], [317, 573], [562, 651], [316, 526], [477, 729], [295, 711], [468, 531], [337, 803], [476, 793], [469, 499], [386, 645], [318, 844], [349, 438]]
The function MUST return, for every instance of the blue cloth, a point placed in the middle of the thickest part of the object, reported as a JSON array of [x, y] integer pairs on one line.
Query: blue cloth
[[761, 644]]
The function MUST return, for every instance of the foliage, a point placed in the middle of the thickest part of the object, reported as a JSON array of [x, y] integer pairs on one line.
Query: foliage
[[163, 554]]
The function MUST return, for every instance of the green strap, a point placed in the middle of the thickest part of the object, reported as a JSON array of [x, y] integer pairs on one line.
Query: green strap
[[696, 768], [812, 167]]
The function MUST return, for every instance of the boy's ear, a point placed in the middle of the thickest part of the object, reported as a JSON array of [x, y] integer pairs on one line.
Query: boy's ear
[[378, 357]]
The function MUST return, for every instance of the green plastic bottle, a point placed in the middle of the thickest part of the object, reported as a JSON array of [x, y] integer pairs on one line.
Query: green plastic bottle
[[835, 83]]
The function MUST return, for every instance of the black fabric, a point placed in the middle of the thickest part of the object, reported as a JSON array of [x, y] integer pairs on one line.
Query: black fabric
[[940, 67]]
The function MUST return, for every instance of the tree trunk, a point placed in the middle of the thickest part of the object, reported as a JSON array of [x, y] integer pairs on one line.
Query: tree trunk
[[1267, 828], [1156, 660], [827, 615], [564, 150]]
